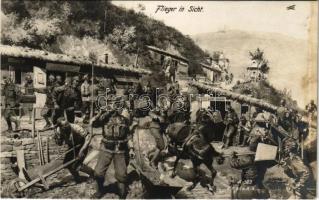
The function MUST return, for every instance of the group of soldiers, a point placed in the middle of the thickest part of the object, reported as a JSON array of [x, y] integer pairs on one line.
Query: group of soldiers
[[119, 122], [283, 129]]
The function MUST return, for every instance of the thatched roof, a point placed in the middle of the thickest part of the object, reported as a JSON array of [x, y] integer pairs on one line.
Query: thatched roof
[[161, 51], [25, 52], [238, 97]]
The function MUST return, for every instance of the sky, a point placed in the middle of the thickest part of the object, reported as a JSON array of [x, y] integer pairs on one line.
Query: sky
[[245, 15], [250, 16]]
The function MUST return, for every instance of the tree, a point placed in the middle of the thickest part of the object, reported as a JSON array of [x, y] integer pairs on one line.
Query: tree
[[258, 56], [124, 38]]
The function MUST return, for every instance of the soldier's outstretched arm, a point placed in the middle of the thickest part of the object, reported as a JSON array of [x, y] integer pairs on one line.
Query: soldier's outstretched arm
[[100, 118], [94, 120]]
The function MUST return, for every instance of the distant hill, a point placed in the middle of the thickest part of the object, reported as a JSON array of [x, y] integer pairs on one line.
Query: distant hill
[[287, 56]]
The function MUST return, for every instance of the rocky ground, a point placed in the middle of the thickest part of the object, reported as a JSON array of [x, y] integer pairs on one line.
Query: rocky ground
[[63, 186]]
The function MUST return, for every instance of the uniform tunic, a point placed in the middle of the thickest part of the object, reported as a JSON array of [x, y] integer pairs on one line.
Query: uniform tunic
[[11, 100], [115, 130]]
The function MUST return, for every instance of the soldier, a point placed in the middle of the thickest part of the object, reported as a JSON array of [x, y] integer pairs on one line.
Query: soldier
[[311, 108], [157, 128], [78, 138], [85, 94], [231, 122], [244, 128], [66, 99], [295, 168], [252, 175], [29, 90], [11, 103], [59, 81], [114, 146], [260, 132], [282, 115], [48, 109]]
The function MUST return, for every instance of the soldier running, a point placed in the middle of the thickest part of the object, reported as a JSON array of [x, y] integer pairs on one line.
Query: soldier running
[[11, 103], [115, 130]]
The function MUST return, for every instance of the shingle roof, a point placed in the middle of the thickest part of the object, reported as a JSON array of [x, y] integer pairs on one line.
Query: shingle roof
[[25, 52]]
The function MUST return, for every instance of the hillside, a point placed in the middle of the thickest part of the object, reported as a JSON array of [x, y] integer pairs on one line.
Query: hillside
[[82, 27], [264, 90], [287, 56]]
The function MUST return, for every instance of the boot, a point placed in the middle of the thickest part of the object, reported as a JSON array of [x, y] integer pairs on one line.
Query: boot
[[226, 144], [48, 123], [99, 188], [88, 170], [76, 175], [122, 190], [9, 125], [17, 123]]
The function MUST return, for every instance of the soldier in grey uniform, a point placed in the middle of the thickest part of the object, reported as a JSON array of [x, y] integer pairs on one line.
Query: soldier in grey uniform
[[311, 108], [66, 99], [250, 186], [231, 122], [116, 134], [11, 94], [244, 129], [295, 168], [77, 138]]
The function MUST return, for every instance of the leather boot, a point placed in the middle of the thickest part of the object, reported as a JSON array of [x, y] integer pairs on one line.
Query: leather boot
[[122, 190], [99, 188], [88, 170], [9, 125]]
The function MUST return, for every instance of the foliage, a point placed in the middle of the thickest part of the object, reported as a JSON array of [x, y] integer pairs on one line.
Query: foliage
[[39, 29], [124, 38], [264, 90], [47, 24], [258, 55]]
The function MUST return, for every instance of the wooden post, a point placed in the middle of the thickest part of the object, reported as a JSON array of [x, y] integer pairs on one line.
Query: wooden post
[[39, 151], [47, 149], [33, 122], [21, 163], [92, 96], [136, 58]]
